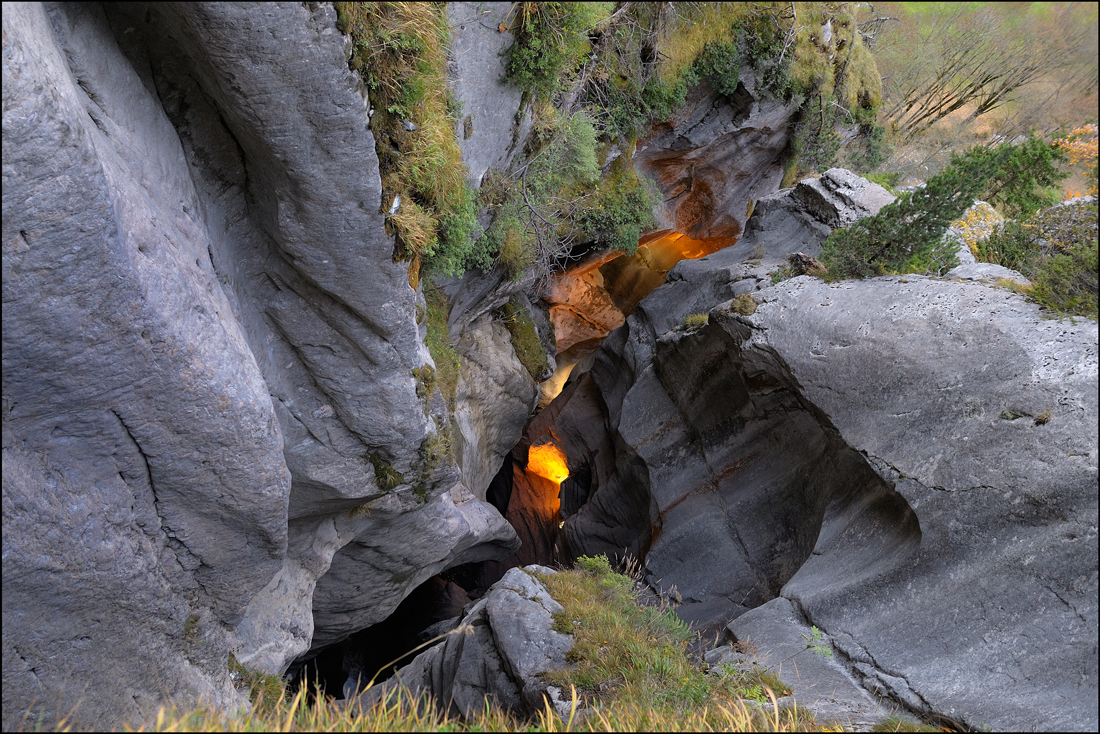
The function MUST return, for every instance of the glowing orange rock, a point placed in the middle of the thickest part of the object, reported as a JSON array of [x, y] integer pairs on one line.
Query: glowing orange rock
[[548, 462]]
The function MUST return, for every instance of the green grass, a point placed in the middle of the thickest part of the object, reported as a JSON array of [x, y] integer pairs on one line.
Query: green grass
[[400, 51], [630, 661]]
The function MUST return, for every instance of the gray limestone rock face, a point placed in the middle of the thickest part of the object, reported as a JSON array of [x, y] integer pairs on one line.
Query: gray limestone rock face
[[495, 394], [805, 661], [487, 130], [910, 462], [498, 651], [997, 584], [145, 490], [715, 156], [207, 350]]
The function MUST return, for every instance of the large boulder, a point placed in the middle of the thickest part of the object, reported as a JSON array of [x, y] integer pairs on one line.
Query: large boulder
[[209, 357], [910, 463]]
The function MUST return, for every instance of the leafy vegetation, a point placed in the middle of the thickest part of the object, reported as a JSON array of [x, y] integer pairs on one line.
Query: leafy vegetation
[[907, 236], [1057, 251], [551, 42], [558, 199]]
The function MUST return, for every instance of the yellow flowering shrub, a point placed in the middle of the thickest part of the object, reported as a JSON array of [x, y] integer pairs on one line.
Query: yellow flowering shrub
[[976, 224]]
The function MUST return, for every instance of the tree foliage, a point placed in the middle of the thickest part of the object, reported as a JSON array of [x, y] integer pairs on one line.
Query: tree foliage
[[976, 57], [908, 235]]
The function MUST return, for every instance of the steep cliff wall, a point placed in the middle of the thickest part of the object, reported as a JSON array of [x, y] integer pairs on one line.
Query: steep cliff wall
[[209, 357]]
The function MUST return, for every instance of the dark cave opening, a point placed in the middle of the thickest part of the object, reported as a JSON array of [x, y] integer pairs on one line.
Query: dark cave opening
[[533, 503], [377, 651]]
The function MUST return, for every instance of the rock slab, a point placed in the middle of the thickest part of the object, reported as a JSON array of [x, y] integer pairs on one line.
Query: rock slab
[[498, 651]]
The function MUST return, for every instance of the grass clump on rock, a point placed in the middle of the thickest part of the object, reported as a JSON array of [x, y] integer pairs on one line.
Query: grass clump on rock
[[400, 50], [630, 665], [694, 321]]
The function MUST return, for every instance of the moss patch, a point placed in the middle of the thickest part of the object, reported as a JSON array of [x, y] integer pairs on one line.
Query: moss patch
[[384, 473], [447, 362], [265, 691], [525, 338]]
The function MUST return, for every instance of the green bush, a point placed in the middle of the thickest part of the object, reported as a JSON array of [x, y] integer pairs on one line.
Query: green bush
[[551, 42], [622, 210], [1023, 177], [1057, 251], [459, 235], [872, 151], [1012, 246], [907, 236], [760, 45], [1066, 282], [558, 199], [720, 65]]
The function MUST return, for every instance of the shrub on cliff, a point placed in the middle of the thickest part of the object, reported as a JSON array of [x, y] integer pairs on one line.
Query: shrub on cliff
[[1057, 250], [907, 236], [551, 41]]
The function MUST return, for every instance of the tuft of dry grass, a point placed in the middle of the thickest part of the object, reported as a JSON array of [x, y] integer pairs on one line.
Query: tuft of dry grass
[[400, 50], [694, 321]]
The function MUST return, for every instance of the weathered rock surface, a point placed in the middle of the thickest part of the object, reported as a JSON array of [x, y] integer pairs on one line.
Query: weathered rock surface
[[789, 649], [488, 132], [495, 394], [715, 156], [206, 343], [843, 447], [498, 651]]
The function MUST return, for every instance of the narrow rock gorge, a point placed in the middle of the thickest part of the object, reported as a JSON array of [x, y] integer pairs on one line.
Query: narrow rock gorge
[[221, 438]]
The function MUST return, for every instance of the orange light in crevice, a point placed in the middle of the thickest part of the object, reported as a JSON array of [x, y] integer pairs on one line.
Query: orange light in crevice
[[548, 462]]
